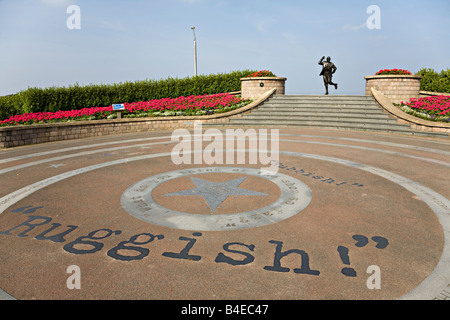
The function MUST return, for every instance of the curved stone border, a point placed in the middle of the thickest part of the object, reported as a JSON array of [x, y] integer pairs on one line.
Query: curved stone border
[[137, 201], [428, 289], [42, 133], [432, 94], [403, 117]]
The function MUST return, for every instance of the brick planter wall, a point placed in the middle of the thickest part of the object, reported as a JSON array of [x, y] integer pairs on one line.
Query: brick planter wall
[[36, 134], [398, 88], [253, 88]]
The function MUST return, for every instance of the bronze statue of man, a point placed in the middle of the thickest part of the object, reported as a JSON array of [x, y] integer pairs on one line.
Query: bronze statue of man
[[328, 69]]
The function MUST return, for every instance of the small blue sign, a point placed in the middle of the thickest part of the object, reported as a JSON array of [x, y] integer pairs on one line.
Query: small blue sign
[[118, 107]]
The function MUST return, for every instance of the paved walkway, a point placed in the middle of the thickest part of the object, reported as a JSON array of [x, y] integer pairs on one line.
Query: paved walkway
[[350, 215]]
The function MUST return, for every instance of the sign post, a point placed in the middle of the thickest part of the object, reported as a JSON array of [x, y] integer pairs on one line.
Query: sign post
[[118, 108]]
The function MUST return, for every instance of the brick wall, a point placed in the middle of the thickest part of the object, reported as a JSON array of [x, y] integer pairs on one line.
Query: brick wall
[[35, 134], [398, 88], [255, 87]]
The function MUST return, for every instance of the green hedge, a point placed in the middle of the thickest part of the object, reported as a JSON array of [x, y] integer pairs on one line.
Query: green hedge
[[434, 81], [10, 105], [77, 97]]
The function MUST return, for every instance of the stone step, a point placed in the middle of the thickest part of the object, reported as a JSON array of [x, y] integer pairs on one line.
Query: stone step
[[327, 112], [323, 102], [322, 97], [353, 123], [312, 113], [322, 108], [322, 118]]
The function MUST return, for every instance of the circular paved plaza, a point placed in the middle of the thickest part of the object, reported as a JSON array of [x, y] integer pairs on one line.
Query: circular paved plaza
[[344, 215]]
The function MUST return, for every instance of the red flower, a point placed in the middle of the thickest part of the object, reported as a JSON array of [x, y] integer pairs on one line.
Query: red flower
[[393, 71], [262, 73]]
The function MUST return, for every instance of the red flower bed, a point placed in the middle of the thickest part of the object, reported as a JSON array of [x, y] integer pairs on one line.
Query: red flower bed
[[262, 73], [432, 108], [207, 104], [393, 71]]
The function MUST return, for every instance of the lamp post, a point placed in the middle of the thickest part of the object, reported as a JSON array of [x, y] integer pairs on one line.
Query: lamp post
[[195, 51]]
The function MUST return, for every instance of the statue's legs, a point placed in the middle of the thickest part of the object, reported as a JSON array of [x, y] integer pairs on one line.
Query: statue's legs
[[327, 79], [325, 82], [332, 83]]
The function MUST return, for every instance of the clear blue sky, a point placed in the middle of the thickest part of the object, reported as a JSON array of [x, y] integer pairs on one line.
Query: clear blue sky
[[136, 40]]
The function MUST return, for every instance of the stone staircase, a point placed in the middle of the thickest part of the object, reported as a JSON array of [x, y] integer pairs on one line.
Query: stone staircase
[[328, 112]]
